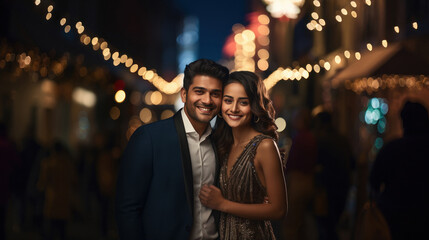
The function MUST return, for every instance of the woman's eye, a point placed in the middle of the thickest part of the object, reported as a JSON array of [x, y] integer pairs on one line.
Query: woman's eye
[[244, 103], [226, 100]]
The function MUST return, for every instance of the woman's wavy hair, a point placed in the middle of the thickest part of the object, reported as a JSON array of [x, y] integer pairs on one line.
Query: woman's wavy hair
[[261, 107]]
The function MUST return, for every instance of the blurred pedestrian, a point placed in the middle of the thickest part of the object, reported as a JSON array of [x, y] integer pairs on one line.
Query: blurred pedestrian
[[335, 162], [399, 176], [300, 176], [9, 163], [57, 179]]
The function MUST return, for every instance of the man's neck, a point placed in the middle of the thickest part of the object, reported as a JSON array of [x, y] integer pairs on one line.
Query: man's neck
[[199, 127]]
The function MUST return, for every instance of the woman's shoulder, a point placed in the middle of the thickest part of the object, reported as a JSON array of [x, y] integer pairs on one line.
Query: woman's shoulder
[[266, 144]]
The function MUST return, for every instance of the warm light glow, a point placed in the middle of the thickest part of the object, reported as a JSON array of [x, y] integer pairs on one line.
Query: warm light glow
[[288, 8], [263, 54], [338, 18], [264, 30], [103, 46], [115, 55], [309, 67], [166, 114], [107, 57], [80, 29], [106, 51], [327, 66], [263, 19], [156, 98], [396, 28], [145, 115], [369, 46], [263, 64], [248, 35], [353, 4], [63, 21], [316, 68], [84, 97], [67, 29], [281, 124], [316, 3], [114, 113], [50, 8], [87, 40], [134, 68], [120, 96], [344, 11], [149, 75], [368, 2], [314, 15], [384, 43], [37, 2], [354, 14], [357, 55], [347, 54], [48, 16], [264, 41], [78, 25], [94, 41], [319, 27], [141, 71], [322, 22], [415, 25], [337, 59], [129, 62], [124, 58], [116, 61]]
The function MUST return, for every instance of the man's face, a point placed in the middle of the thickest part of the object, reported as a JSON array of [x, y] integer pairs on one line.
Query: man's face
[[203, 99]]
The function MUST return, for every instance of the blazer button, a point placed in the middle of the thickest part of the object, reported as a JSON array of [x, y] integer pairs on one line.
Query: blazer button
[[188, 228]]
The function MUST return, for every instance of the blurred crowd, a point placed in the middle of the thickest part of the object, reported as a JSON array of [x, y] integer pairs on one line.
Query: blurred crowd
[[52, 192]]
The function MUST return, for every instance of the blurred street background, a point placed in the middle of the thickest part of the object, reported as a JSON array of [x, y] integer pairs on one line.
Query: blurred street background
[[77, 77]]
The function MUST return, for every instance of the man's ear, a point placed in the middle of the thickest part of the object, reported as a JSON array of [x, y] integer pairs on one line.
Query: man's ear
[[183, 94]]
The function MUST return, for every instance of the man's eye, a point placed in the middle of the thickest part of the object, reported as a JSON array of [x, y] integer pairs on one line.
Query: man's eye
[[216, 95], [199, 92]]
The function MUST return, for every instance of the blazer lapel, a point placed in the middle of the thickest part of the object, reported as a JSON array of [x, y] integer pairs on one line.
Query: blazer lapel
[[186, 160]]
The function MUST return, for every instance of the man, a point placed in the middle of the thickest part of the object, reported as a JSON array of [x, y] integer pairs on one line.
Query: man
[[399, 176], [166, 163]]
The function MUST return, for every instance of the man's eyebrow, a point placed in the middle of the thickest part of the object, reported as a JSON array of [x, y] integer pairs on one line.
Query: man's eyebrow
[[198, 88]]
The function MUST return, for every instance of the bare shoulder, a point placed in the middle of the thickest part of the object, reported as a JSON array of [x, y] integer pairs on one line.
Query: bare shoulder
[[267, 147]]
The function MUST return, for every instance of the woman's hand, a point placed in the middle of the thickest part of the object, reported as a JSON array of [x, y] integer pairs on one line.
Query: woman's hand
[[211, 197]]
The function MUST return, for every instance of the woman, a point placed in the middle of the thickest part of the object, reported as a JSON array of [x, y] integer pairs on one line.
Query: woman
[[252, 187]]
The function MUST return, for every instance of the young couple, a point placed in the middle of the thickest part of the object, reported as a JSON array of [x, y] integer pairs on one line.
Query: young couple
[[177, 180]]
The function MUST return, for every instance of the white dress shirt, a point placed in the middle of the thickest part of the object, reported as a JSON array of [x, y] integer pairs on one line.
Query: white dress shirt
[[203, 170]]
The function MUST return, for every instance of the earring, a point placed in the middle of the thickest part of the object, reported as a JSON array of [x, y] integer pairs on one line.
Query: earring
[[257, 119], [219, 115]]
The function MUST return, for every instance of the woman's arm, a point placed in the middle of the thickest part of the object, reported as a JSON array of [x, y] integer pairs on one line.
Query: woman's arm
[[268, 160]]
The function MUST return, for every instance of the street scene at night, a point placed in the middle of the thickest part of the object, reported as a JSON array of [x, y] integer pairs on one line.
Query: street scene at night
[[226, 119]]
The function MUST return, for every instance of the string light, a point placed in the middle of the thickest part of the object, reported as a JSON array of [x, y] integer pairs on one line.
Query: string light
[[248, 51], [396, 28]]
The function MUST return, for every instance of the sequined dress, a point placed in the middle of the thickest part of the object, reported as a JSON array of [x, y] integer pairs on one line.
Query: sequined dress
[[243, 186]]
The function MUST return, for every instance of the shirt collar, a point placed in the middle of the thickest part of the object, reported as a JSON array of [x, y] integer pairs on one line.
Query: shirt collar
[[190, 129]]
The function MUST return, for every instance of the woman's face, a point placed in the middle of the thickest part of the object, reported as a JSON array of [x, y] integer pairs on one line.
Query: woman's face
[[236, 109]]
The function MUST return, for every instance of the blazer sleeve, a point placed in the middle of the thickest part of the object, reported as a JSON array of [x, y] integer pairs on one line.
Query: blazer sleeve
[[134, 178]]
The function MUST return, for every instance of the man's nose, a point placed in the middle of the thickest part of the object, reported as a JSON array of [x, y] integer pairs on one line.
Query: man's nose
[[206, 98]]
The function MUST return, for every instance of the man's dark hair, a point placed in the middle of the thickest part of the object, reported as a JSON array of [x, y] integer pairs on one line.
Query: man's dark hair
[[204, 67], [415, 119]]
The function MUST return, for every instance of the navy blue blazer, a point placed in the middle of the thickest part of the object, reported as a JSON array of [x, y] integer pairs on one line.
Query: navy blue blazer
[[154, 196]]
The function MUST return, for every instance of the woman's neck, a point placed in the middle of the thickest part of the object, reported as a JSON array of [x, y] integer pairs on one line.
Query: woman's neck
[[243, 135]]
